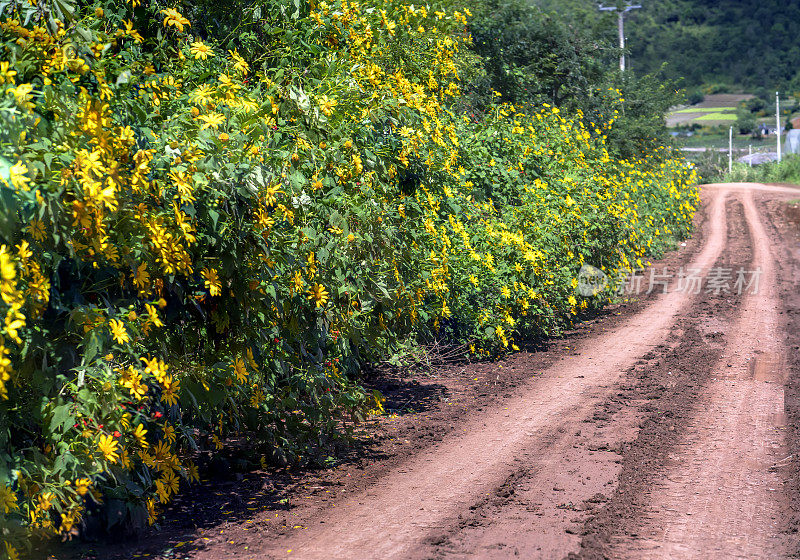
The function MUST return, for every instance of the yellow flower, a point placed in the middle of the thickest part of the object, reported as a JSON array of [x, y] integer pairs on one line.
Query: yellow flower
[[82, 486], [169, 433], [212, 281], [202, 95], [318, 294], [200, 50], [316, 18], [240, 370], [8, 271], [175, 19], [270, 195], [19, 177], [107, 445], [238, 62], [24, 251], [8, 499], [5, 369], [118, 331], [157, 368], [69, 519], [191, 472], [327, 104], [152, 514], [132, 380], [22, 94], [169, 390], [6, 75], [162, 491], [139, 434], [131, 32], [125, 460], [142, 278], [251, 360], [211, 120], [36, 229], [152, 315], [14, 322]]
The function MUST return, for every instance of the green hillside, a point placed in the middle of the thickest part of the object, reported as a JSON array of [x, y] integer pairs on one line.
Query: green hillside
[[747, 43]]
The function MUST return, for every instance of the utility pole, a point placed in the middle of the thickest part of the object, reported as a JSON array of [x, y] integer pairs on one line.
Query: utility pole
[[730, 150], [621, 11], [778, 121]]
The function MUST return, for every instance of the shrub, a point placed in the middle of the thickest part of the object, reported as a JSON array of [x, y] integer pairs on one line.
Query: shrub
[[695, 96]]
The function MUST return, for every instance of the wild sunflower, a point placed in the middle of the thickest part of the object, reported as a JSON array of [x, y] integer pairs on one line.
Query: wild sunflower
[[318, 294], [200, 50]]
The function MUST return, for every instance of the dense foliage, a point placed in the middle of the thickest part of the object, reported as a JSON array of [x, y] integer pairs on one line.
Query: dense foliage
[[200, 242], [531, 56]]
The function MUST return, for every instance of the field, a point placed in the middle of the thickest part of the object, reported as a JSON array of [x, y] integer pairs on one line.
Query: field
[[716, 117], [741, 142], [704, 110], [717, 109]]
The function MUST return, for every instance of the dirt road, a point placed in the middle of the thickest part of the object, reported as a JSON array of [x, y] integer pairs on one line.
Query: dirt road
[[666, 429]]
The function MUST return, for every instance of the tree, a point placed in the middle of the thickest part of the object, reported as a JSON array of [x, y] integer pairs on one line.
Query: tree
[[534, 57]]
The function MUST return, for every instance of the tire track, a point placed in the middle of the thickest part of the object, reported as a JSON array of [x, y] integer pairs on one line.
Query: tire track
[[427, 493], [719, 498]]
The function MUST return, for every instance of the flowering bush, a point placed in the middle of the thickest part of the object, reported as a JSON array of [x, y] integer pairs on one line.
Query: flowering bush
[[197, 245]]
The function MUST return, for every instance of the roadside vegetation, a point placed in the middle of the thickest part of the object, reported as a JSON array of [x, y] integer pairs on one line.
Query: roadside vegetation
[[715, 169], [214, 215]]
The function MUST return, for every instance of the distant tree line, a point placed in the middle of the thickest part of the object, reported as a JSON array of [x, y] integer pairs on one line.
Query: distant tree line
[[736, 43]]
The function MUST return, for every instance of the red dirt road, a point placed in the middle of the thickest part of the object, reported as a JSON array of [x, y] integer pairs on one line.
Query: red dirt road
[[668, 429]]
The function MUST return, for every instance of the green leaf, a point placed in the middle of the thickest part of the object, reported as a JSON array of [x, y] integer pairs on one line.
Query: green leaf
[[61, 417], [9, 212], [297, 181], [214, 215], [310, 232], [92, 344]]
